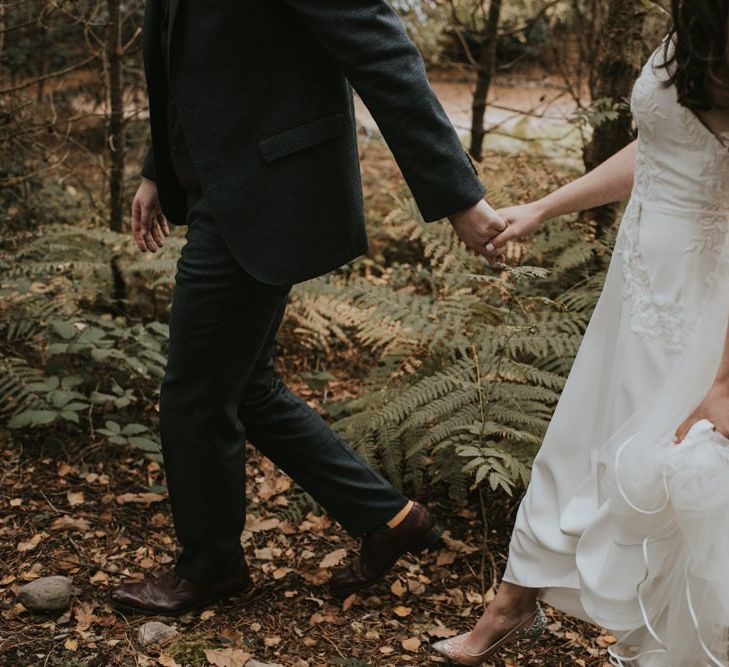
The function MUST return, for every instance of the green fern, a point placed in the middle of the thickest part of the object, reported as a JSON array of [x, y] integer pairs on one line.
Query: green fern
[[471, 359]]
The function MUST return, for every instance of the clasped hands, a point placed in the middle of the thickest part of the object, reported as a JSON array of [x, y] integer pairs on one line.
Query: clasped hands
[[487, 232]]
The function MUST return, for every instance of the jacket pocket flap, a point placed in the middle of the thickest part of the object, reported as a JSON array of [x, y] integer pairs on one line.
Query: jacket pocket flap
[[302, 136]]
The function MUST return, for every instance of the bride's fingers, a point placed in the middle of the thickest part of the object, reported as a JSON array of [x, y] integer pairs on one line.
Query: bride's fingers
[[498, 243], [683, 429]]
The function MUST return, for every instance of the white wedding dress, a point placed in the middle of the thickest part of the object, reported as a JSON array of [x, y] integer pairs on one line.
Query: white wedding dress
[[619, 526]]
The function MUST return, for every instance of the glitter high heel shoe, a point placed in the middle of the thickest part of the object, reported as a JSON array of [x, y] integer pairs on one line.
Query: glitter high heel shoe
[[454, 648]]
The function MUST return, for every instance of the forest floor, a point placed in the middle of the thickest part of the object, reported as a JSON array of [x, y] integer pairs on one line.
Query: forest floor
[[93, 514], [88, 515]]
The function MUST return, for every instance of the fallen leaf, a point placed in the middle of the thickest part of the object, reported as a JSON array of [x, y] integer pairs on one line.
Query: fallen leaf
[[440, 631], [32, 543], [281, 572], [167, 661], [334, 558], [207, 614], [70, 644], [64, 469], [412, 644], [316, 577], [255, 524], [67, 522], [75, 498], [145, 498], [401, 611], [267, 553], [227, 657], [474, 597], [85, 616], [446, 558], [273, 487], [99, 578], [398, 589], [458, 545]]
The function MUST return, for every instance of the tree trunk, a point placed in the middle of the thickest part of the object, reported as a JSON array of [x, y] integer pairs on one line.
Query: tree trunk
[[484, 77], [115, 138], [2, 37], [618, 66]]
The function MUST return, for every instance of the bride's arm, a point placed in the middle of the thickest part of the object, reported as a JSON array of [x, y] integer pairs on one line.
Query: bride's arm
[[612, 181]]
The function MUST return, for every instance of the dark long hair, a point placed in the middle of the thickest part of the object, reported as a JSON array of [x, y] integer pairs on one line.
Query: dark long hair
[[699, 64]]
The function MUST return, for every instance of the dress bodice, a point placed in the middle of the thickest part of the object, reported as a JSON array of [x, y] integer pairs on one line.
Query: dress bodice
[[677, 221], [681, 163]]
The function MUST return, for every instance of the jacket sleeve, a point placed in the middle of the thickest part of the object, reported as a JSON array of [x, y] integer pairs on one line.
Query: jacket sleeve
[[148, 165], [369, 44]]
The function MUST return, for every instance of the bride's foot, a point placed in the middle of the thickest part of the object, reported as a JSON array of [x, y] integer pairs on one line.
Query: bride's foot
[[514, 614], [511, 607]]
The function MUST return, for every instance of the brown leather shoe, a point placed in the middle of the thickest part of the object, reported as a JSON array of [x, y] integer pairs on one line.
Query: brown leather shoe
[[171, 595], [383, 547]]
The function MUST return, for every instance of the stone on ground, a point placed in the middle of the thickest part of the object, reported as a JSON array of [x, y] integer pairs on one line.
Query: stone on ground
[[46, 594], [155, 632]]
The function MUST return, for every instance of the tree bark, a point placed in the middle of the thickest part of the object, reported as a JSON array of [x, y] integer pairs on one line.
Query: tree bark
[[115, 137], [2, 38], [618, 66], [484, 77]]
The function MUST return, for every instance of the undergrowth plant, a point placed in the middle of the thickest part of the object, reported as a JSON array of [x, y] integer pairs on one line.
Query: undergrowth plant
[[74, 354], [469, 359]]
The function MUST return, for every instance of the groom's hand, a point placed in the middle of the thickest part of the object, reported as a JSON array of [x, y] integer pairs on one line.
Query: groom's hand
[[477, 226], [149, 226]]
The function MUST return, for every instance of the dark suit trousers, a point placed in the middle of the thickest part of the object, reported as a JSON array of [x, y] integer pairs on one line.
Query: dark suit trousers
[[219, 389]]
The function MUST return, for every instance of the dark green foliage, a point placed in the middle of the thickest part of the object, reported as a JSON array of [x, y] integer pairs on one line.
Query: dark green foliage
[[62, 363]]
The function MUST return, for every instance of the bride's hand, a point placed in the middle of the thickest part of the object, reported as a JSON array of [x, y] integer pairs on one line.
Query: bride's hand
[[715, 408], [521, 221]]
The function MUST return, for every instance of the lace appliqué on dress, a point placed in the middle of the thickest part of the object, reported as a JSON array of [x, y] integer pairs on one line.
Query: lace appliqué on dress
[[651, 316]]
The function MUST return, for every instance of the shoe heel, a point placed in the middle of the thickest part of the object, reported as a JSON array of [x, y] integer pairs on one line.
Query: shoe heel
[[431, 538]]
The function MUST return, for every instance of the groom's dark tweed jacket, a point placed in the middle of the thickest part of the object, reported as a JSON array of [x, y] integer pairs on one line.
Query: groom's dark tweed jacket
[[263, 96]]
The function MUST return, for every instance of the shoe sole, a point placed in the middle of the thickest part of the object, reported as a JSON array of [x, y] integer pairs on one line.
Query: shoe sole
[[174, 614], [432, 537]]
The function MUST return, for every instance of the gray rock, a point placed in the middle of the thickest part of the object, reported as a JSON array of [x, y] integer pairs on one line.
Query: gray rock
[[155, 632], [46, 594]]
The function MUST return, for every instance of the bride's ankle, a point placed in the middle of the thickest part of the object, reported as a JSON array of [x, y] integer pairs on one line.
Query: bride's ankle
[[513, 605]]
